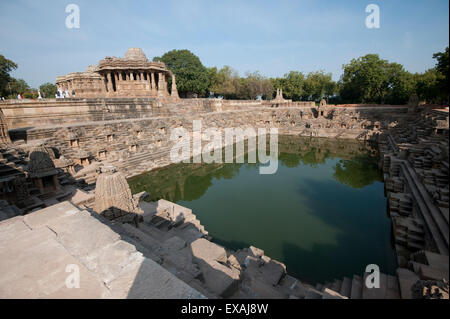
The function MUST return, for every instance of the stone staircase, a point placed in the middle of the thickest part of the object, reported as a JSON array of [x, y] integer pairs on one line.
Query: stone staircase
[[354, 288], [433, 217]]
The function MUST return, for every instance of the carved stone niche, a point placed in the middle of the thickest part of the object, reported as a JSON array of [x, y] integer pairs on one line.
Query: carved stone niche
[[73, 138], [102, 154]]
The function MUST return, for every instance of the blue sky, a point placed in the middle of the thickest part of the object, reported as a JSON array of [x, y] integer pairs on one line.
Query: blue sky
[[272, 37]]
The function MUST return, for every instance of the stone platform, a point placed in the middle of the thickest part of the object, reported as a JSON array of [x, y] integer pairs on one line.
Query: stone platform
[[38, 250]]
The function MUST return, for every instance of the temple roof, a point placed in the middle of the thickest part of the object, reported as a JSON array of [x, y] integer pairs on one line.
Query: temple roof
[[41, 163], [135, 54]]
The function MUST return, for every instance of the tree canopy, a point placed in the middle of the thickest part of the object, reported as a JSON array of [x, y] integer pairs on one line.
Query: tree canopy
[[6, 66], [191, 76], [48, 90], [370, 79]]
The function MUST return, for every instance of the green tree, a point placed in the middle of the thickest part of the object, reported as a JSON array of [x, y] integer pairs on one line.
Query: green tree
[[318, 85], [18, 86], [370, 79], [292, 85], [222, 81], [6, 66], [48, 90], [257, 85], [191, 76], [363, 79], [399, 84], [426, 85], [442, 67]]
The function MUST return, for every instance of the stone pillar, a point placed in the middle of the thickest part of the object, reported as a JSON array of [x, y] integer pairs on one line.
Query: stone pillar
[[110, 87], [149, 81], [40, 185], [161, 86], [56, 182], [4, 136], [174, 93], [154, 92], [117, 77]]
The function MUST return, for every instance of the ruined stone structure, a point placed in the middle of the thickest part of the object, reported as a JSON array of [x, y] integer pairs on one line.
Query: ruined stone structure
[[4, 136], [73, 144], [113, 197], [42, 170], [131, 76]]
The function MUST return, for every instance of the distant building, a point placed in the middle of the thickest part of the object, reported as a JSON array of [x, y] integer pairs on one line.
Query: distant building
[[131, 76]]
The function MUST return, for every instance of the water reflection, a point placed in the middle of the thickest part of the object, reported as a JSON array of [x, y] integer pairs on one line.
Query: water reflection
[[357, 168], [322, 213]]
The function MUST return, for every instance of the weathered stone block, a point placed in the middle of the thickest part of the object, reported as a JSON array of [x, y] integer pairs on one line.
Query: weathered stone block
[[51, 213], [148, 280], [82, 234], [256, 251], [273, 272], [208, 251]]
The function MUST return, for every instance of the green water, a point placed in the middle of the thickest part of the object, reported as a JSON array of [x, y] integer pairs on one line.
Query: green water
[[323, 213]]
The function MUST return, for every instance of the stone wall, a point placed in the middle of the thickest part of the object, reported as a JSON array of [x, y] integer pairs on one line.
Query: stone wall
[[134, 134]]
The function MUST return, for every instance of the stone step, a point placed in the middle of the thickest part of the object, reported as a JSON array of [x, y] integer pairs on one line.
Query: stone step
[[331, 294], [346, 287], [326, 285], [336, 286], [153, 232], [313, 294], [433, 218], [389, 288], [356, 288], [147, 241]]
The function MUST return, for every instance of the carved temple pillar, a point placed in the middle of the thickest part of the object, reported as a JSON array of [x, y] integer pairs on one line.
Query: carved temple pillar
[[154, 92], [56, 182], [69, 87], [149, 82], [117, 77], [174, 93], [109, 83], [161, 84]]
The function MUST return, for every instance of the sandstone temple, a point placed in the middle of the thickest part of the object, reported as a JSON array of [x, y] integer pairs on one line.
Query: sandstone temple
[[64, 197], [131, 76]]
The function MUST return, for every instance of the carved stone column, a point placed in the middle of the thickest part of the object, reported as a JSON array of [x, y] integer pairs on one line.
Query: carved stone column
[[149, 81], [117, 81], [154, 92], [174, 93], [109, 83], [161, 85]]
